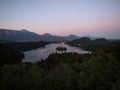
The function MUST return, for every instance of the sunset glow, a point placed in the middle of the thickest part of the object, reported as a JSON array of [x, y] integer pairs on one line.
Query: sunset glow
[[63, 17]]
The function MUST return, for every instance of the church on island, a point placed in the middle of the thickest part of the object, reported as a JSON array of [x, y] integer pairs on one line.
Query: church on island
[[61, 47]]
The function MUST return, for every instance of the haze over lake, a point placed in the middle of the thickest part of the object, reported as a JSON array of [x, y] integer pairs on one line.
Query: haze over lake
[[43, 53]]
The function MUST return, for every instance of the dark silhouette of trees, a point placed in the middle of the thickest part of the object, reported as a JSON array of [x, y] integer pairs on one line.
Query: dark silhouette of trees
[[66, 71], [9, 55], [24, 46]]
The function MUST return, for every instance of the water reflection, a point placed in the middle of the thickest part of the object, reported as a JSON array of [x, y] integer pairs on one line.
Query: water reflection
[[42, 53]]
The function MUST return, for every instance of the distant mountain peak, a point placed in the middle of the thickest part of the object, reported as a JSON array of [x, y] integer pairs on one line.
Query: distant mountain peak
[[47, 34], [24, 30], [91, 37], [72, 35]]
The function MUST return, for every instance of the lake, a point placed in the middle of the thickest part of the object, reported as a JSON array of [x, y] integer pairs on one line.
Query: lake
[[43, 52]]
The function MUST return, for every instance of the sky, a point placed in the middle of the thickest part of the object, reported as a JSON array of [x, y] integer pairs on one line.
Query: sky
[[98, 18]]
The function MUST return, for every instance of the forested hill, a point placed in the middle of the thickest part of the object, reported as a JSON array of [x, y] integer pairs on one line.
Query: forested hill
[[24, 46], [93, 45], [9, 55]]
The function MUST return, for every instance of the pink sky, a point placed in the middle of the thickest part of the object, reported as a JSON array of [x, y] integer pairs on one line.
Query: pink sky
[[62, 17]]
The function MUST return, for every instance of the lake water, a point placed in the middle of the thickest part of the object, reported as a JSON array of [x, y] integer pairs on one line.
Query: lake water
[[42, 53]]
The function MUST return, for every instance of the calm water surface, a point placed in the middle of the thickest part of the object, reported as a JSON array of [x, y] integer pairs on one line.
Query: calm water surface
[[43, 53]]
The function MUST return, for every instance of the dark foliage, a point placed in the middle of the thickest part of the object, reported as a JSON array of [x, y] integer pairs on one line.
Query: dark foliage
[[24, 46], [66, 71], [9, 55], [81, 40], [94, 45]]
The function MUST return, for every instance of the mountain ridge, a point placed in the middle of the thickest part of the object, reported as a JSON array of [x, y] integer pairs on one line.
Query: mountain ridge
[[25, 35]]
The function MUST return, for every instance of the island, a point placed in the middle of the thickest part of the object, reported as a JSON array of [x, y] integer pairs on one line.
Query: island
[[61, 48]]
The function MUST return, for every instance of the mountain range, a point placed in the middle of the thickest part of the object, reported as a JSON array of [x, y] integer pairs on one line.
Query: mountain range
[[25, 35]]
